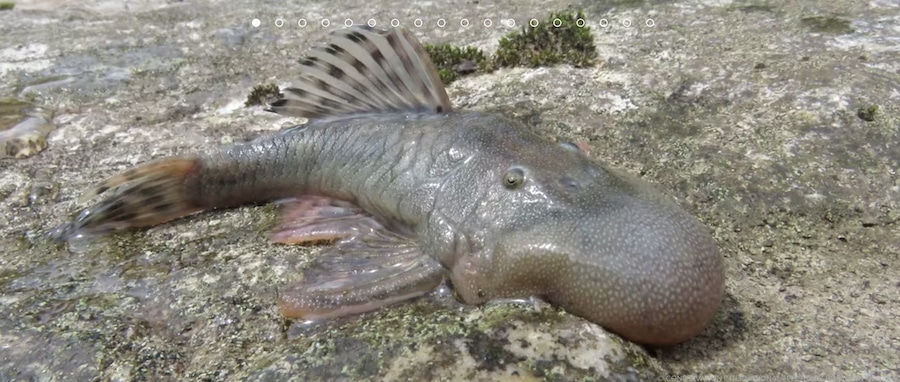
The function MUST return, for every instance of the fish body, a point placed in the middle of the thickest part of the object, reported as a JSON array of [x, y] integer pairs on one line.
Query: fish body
[[412, 192]]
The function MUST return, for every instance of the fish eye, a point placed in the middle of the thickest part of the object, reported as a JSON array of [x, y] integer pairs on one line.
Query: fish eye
[[514, 178]]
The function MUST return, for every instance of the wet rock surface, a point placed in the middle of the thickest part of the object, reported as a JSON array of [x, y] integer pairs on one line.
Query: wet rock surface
[[23, 128], [776, 125]]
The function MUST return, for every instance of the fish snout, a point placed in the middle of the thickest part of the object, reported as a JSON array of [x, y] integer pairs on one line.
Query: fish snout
[[650, 273]]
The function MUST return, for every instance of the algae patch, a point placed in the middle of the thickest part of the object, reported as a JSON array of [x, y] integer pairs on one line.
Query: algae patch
[[867, 113], [7, 5], [263, 94], [453, 62], [422, 341], [563, 38]]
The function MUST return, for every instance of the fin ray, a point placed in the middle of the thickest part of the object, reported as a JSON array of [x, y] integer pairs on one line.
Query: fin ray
[[364, 70], [369, 265], [310, 218], [354, 279]]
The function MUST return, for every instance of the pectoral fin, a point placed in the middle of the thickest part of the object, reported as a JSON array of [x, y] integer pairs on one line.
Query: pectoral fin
[[369, 266], [310, 219]]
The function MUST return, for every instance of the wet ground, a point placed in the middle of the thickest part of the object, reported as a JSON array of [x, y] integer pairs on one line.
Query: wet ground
[[774, 123]]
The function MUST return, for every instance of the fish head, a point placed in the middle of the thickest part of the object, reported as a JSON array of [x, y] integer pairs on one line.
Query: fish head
[[598, 243]]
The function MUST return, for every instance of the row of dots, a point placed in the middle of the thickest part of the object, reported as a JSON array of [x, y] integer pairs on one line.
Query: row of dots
[[488, 23]]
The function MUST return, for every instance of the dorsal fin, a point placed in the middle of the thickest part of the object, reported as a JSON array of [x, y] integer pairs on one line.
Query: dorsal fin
[[365, 70]]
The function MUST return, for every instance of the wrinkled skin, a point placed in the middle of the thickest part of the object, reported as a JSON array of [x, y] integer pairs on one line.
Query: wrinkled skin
[[507, 213], [599, 243], [410, 191]]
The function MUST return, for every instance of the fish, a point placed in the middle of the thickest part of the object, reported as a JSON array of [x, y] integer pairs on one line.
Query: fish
[[407, 193]]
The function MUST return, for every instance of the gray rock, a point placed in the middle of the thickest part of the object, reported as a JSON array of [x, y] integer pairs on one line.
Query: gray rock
[[748, 114]]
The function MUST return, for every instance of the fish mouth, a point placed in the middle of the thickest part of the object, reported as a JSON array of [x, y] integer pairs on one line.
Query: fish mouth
[[648, 272], [654, 277]]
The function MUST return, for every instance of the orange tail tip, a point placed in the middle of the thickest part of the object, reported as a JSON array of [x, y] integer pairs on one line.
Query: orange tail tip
[[146, 195]]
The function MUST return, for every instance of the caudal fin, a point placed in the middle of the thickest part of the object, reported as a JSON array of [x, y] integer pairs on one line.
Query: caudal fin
[[365, 70], [146, 195]]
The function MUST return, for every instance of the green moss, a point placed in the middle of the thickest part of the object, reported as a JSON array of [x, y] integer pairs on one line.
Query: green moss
[[7, 5], [544, 369], [400, 330], [414, 319], [263, 94], [543, 45], [497, 315], [867, 113], [547, 44], [636, 358], [827, 24], [489, 352], [453, 62]]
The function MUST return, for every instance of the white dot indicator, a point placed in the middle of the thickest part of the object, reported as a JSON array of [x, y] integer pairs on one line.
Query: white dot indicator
[[348, 23], [487, 23], [557, 23], [441, 23], [395, 23], [650, 23], [371, 23], [579, 23], [418, 23], [511, 23], [626, 23], [534, 23], [279, 23], [464, 23], [301, 23], [604, 23], [255, 23], [326, 23]]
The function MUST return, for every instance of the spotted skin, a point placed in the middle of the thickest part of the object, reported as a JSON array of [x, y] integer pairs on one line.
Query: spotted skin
[[144, 196], [410, 192]]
